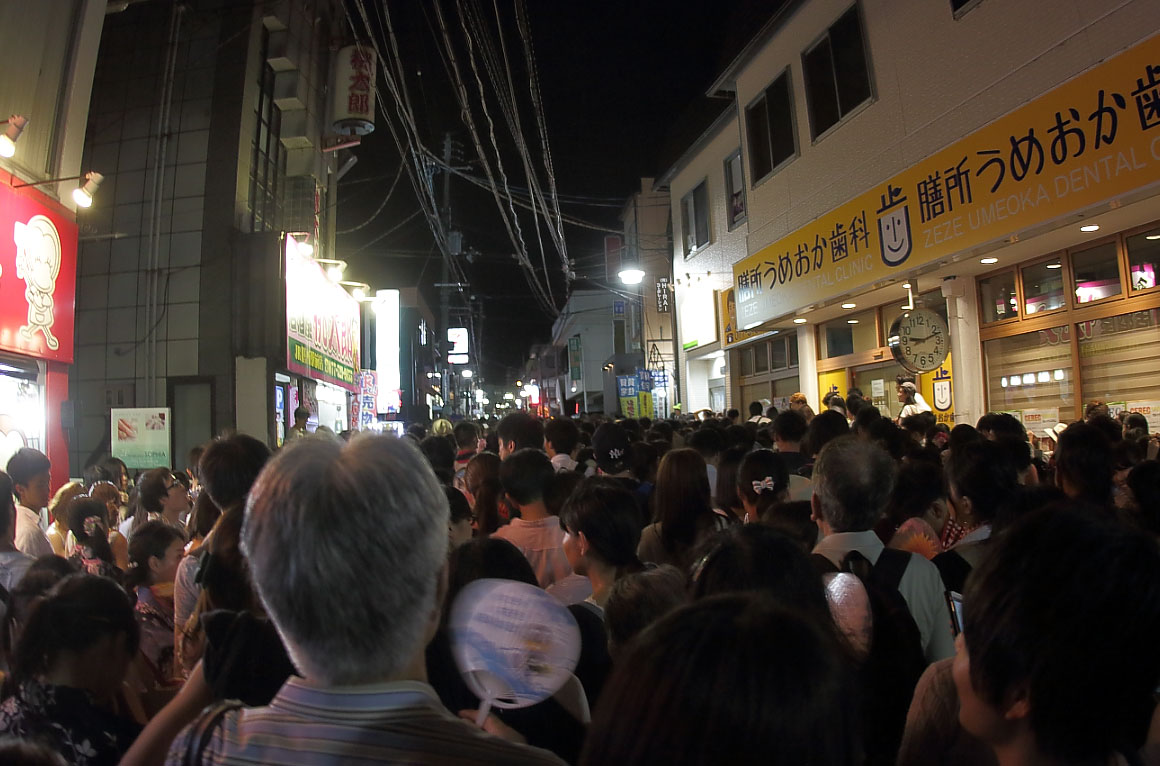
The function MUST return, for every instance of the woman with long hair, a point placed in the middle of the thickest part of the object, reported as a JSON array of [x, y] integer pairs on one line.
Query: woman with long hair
[[71, 657], [762, 483], [108, 494], [484, 493], [154, 553], [682, 509], [88, 521], [57, 532]]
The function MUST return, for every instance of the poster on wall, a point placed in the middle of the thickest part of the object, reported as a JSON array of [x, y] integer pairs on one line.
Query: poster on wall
[[38, 266], [322, 323], [1150, 410], [141, 436]]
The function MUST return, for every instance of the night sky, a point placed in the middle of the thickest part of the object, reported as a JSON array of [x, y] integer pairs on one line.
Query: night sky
[[622, 87]]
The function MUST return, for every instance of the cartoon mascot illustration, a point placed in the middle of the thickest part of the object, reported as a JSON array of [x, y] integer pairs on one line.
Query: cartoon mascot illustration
[[38, 263]]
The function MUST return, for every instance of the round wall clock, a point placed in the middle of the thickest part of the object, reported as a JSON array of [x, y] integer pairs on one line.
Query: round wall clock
[[919, 340]]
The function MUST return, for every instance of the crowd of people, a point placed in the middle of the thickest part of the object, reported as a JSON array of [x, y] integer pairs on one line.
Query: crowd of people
[[796, 588]]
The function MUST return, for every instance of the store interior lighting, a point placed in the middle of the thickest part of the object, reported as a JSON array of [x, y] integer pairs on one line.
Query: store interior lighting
[[8, 138]]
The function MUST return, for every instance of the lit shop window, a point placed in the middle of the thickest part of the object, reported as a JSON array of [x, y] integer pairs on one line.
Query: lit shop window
[[1030, 375], [1143, 259], [1096, 273]]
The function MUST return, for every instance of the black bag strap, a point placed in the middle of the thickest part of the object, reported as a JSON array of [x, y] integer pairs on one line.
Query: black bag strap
[[890, 567], [202, 730]]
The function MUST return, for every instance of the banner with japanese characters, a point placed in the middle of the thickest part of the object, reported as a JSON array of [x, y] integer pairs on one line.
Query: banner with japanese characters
[[1088, 141]]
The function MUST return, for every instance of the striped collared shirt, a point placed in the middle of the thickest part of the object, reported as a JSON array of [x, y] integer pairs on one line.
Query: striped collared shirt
[[398, 722]]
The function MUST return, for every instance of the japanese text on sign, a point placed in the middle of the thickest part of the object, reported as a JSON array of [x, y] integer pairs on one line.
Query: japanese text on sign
[[1090, 139]]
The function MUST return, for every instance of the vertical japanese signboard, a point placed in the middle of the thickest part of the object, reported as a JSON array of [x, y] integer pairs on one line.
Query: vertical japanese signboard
[[575, 370], [664, 296], [1089, 140], [322, 323], [626, 391], [644, 387], [353, 93]]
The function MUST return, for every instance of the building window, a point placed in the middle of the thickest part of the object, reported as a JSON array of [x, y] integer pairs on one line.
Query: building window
[[837, 72], [1143, 259], [267, 158], [735, 188], [695, 219], [849, 335], [997, 299], [769, 125], [1096, 272], [1118, 358]]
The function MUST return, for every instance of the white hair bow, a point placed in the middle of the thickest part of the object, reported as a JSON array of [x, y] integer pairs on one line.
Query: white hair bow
[[764, 484]]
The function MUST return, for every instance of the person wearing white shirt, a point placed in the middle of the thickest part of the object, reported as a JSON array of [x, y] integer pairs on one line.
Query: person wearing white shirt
[[561, 437], [29, 470], [524, 476], [853, 480]]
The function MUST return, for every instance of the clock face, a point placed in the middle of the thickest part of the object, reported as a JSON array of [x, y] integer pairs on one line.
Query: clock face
[[919, 340]]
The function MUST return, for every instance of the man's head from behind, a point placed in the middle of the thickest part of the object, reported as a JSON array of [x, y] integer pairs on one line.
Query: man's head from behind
[[346, 545], [519, 430], [853, 479], [1059, 637]]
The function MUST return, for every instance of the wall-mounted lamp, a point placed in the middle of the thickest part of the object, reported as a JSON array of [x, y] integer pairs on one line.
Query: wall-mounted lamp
[[8, 138], [334, 268], [83, 194], [302, 239], [360, 290]]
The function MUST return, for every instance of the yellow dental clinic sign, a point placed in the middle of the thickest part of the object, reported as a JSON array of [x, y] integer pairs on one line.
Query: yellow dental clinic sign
[[1090, 140]]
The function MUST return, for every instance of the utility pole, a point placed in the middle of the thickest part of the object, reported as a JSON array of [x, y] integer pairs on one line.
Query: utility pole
[[443, 299]]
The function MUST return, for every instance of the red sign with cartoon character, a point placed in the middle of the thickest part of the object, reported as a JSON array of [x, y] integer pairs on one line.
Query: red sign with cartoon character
[[38, 266]]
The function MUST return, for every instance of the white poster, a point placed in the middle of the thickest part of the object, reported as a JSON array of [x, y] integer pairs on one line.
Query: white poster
[[878, 389], [1037, 420], [141, 436], [1150, 410]]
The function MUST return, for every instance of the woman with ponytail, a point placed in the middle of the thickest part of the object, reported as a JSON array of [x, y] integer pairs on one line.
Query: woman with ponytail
[[155, 550], [69, 663], [602, 536], [88, 520], [762, 483], [484, 493]]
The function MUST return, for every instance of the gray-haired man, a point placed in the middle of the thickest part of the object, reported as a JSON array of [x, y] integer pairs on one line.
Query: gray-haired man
[[347, 545]]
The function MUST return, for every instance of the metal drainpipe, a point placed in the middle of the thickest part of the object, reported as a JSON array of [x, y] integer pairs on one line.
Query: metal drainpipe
[[151, 274]]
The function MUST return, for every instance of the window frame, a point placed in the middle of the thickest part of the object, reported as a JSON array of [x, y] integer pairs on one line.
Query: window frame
[[762, 96], [1126, 258], [690, 200], [869, 59], [733, 223], [1065, 275]]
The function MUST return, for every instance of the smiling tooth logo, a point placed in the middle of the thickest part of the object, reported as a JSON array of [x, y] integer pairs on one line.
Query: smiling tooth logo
[[894, 227]]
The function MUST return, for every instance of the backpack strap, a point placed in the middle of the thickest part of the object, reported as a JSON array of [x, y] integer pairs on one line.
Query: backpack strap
[[822, 565], [203, 729], [890, 567]]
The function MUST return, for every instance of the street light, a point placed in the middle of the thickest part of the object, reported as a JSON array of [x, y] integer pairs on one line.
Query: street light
[[631, 274], [466, 374]]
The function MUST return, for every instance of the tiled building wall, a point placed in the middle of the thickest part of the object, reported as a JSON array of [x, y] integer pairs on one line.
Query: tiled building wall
[[125, 351]]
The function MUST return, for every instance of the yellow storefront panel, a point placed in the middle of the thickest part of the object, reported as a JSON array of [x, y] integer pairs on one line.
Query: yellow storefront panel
[[1090, 140]]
